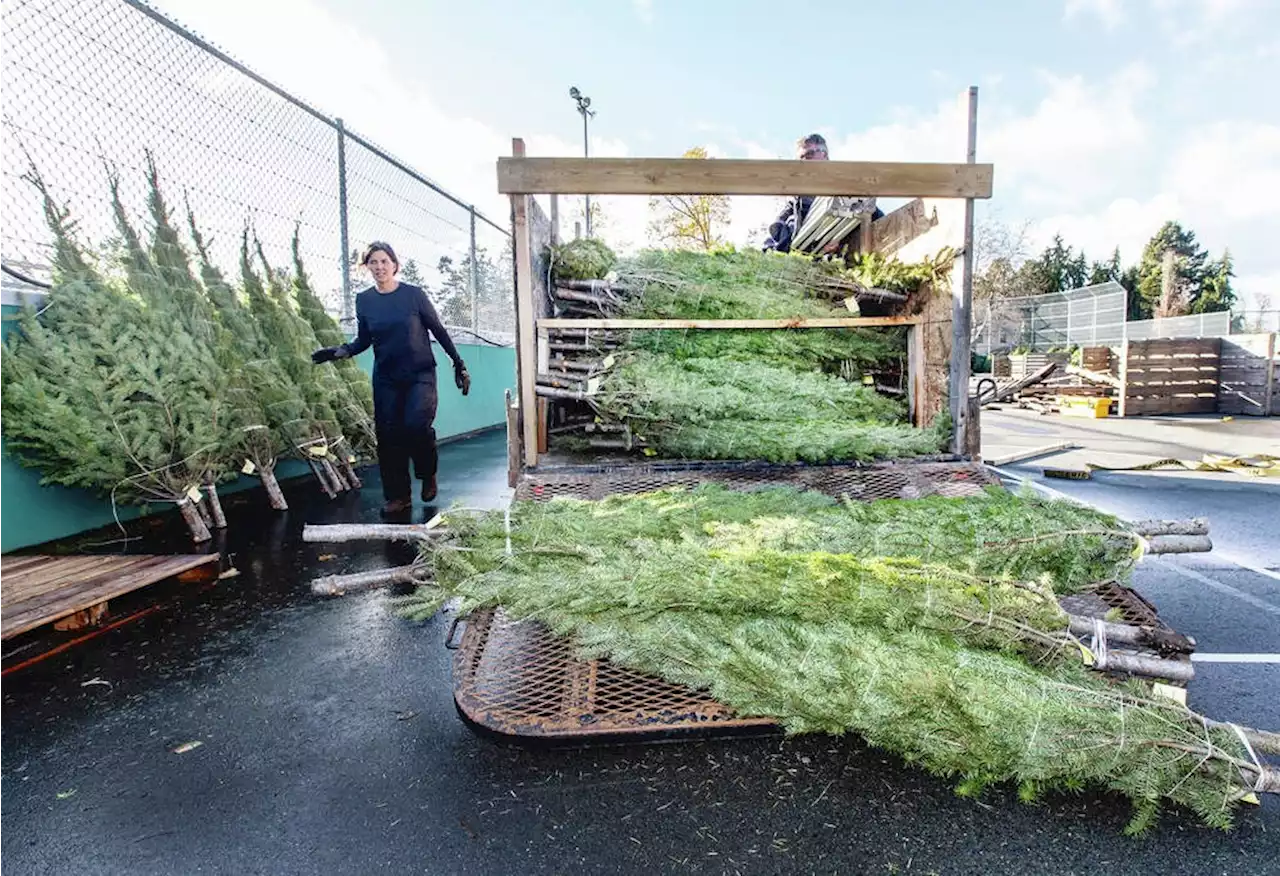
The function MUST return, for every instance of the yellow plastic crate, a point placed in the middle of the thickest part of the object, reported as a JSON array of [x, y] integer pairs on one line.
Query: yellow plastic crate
[[1092, 408]]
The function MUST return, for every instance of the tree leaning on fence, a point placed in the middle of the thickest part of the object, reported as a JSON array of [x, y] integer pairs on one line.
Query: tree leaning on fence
[[151, 381]]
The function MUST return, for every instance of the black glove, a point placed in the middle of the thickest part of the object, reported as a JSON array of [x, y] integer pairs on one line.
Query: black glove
[[328, 354], [461, 377]]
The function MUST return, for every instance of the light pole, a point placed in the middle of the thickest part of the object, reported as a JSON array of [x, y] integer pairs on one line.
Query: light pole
[[584, 104]]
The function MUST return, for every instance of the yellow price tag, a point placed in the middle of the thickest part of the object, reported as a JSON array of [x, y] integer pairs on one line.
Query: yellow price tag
[[435, 521], [248, 467], [318, 450], [608, 361], [1169, 692], [194, 494]]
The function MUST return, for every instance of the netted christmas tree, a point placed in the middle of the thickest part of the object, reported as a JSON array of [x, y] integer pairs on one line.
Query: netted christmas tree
[[827, 618], [269, 405], [814, 395], [103, 392], [351, 391], [162, 274], [318, 434]]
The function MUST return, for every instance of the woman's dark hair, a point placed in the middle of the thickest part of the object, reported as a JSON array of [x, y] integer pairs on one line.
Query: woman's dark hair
[[379, 246]]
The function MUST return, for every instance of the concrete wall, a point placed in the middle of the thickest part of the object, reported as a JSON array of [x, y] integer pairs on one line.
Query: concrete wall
[[31, 514]]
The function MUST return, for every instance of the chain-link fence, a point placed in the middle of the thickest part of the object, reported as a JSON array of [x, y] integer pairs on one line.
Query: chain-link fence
[[94, 86], [1255, 321], [1086, 317], [1094, 315]]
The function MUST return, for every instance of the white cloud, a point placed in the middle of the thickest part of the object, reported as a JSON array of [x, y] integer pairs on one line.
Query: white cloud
[[1124, 222], [644, 10], [1258, 290], [1076, 143], [1083, 160], [1110, 12], [1230, 172]]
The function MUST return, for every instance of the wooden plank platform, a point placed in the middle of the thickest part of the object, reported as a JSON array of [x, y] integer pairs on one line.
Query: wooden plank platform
[[37, 590]]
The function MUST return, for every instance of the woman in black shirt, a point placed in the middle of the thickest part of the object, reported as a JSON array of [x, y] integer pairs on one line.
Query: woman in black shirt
[[398, 320]]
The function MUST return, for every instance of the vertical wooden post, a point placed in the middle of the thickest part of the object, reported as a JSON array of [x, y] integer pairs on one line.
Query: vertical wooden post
[[917, 386], [514, 453], [866, 239], [1124, 376], [973, 434], [526, 340], [1269, 398], [555, 220], [962, 301]]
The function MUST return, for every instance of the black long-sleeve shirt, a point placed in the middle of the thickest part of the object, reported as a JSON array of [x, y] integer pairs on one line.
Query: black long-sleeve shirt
[[399, 324]]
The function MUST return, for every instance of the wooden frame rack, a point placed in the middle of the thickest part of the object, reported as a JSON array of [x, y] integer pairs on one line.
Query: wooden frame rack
[[522, 177]]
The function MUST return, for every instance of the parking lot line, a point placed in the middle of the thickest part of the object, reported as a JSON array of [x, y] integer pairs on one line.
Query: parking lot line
[[1215, 584], [1235, 658]]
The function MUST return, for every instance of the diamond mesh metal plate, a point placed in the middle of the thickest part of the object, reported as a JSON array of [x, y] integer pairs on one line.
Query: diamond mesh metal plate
[[515, 679], [859, 482]]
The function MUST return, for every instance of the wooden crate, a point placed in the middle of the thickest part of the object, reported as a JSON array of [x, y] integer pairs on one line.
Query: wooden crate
[[1170, 376], [1097, 359], [1247, 375]]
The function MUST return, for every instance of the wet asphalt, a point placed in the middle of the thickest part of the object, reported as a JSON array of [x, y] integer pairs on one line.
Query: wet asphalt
[[329, 743]]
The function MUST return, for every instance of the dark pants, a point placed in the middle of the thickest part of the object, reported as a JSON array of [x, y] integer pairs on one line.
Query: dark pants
[[404, 413]]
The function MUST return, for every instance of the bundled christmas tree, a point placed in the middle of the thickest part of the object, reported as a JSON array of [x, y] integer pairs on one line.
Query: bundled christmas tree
[[269, 404], [774, 602], [104, 393], [814, 395], [355, 411], [154, 380], [162, 275]]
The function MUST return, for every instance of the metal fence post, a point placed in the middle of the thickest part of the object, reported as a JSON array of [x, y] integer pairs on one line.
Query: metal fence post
[[347, 315], [474, 278]]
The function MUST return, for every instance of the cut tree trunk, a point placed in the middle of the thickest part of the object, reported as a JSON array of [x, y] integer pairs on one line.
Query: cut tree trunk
[[349, 473], [338, 532], [1152, 528], [275, 495], [1128, 634], [566, 394], [1179, 544], [195, 523], [335, 476], [203, 509], [215, 505], [323, 477], [340, 585], [1150, 667]]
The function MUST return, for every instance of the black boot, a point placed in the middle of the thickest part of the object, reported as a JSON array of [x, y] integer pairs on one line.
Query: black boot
[[397, 506], [429, 489]]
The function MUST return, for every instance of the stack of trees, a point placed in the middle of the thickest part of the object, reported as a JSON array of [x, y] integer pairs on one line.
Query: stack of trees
[[149, 378]]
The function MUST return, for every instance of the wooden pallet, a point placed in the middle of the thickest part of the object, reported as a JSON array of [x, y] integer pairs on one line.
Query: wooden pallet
[[72, 591]]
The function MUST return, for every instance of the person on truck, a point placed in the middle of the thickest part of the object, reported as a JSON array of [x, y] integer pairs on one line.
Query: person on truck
[[784, 228], [398, 321]]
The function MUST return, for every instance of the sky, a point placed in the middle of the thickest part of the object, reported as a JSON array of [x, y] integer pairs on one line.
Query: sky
[[1103, 118]]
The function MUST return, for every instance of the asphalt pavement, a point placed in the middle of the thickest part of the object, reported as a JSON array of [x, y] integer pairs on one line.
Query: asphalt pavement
[[328, 742]]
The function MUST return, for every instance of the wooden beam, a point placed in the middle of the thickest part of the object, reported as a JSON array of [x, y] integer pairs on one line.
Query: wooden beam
[[735, 176], [816, 322], [1269, 400], [917, 386], [962, 300], [527, 356]]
